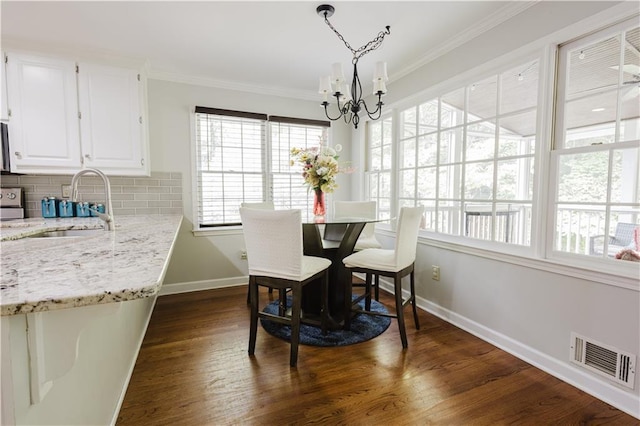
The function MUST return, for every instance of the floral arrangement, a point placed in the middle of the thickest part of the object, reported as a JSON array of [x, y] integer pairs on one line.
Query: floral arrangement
[[319, 166]]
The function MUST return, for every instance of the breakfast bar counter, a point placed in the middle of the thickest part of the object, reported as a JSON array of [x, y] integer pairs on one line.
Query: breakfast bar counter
[[50, 273]]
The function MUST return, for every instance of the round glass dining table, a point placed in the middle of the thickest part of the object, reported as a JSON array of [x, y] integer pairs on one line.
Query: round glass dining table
[[333, 239]]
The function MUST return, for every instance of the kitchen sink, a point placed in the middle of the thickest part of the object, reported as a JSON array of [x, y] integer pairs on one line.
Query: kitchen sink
[[68, 233]]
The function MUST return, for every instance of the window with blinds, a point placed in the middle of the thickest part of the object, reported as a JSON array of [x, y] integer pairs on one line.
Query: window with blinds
[[230, 163], [287, 186], [239, 159]]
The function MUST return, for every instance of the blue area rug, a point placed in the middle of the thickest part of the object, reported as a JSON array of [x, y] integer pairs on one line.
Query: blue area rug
[[363, 328]]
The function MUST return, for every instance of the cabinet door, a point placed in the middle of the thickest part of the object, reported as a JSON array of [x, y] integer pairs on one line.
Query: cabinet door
[[111, 126], [44, 131]]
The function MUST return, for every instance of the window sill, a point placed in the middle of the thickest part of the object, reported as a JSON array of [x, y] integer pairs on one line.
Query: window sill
[[217, 232], [626, 275]]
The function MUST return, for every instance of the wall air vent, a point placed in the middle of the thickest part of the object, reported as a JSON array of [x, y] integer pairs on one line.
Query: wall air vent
[[604, 360]]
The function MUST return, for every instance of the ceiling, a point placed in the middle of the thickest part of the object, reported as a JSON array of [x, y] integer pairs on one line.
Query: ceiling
[[265, 47]]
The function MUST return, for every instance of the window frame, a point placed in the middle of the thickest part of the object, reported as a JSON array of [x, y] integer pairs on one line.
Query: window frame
[[267, 172], [557, 153], [493, 68]]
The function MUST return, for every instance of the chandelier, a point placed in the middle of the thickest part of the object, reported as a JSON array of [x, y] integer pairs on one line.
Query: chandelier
[[349, 98]]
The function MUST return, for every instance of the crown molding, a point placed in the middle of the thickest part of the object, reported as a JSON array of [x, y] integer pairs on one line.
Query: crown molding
[[74, 53], [308, 95], [504, 14]]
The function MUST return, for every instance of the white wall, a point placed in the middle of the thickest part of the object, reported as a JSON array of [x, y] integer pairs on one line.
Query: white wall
[[525, 309], [215, 260]]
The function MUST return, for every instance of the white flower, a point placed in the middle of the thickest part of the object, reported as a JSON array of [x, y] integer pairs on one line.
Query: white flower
[[321, 171], [330, 152], [338, 148]]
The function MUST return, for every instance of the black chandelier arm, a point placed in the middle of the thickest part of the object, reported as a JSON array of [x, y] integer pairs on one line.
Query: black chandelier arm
[[343, 111], [378, 109]]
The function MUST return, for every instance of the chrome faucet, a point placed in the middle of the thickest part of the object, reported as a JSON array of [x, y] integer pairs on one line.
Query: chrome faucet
[[107, 216]]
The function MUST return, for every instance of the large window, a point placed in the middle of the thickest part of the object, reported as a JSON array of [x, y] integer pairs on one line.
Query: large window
[[244, 157], [597, 152], [379, 165], [288, 189], [468, 152], [468, 157]]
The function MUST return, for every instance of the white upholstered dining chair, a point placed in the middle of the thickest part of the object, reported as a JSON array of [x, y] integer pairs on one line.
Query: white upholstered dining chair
[[396, 263], [365, 209], [273, 240], [265, 205]]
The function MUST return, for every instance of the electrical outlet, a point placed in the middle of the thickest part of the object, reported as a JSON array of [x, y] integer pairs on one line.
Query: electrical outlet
[[66, 191], [435, 272], [243, 255]]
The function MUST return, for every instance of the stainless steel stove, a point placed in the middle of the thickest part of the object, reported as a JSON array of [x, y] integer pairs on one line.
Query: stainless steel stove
[[11, 203]]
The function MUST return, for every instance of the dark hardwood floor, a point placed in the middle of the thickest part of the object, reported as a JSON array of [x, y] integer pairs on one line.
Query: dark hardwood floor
[[193, 369]]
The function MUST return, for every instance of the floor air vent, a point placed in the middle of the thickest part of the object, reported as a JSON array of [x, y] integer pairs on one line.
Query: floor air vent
[[604, 360]]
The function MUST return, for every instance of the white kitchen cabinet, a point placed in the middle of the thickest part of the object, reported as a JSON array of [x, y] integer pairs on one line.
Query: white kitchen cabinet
[[44, 132], [66, 116], [111, 121]]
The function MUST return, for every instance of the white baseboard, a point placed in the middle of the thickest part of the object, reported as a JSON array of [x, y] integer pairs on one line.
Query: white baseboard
[[562, 370], [186, 287]]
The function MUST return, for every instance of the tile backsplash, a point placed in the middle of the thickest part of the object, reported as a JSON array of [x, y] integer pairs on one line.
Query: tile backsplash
[[161, 193]]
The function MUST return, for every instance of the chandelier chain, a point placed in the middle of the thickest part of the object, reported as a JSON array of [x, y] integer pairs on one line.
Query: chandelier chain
[[363, 50]]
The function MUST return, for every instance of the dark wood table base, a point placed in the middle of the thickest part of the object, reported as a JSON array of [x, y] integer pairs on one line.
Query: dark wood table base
[[339, 276]]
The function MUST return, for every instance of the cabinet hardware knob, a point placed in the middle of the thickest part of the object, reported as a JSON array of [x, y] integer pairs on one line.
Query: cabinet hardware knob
[[18, 154]]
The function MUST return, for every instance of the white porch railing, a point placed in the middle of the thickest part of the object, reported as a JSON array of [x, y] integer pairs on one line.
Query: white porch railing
[[579, 229]]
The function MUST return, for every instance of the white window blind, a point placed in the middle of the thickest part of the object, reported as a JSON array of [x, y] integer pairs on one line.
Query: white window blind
[[237, 161], [230, 163], [287, 186]]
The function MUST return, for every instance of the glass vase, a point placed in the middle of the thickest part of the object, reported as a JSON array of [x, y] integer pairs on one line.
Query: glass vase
[[319, 206]]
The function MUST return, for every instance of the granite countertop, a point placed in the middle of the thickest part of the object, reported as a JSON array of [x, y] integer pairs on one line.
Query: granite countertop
[[41, 274]]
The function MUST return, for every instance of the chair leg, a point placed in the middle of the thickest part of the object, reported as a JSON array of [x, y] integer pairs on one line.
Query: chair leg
[[253, 327], [377, 288], [295, 324], [348, 289], [282, 305], [367, 289], [413, 300], [397, 284], [324, 318]]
